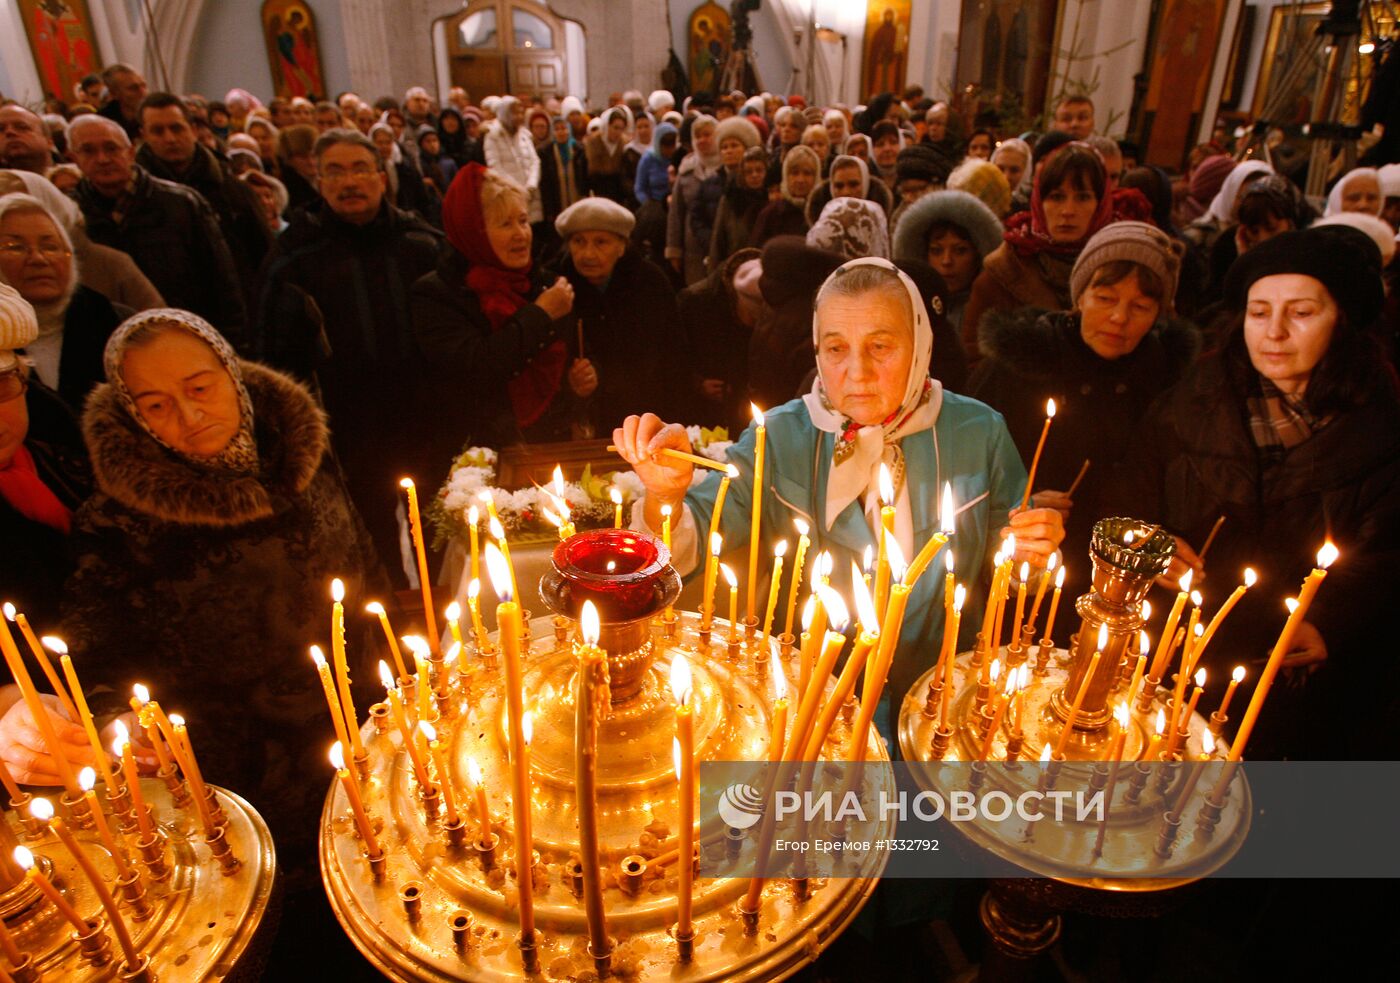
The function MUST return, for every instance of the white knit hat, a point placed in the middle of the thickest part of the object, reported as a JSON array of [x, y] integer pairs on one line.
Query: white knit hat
[[661, 100], [18, 326]]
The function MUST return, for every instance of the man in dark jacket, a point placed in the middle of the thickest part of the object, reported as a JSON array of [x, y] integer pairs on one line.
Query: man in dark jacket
[[168, 229], [717, 318], [126, 87], [171, 151], [334, 310]]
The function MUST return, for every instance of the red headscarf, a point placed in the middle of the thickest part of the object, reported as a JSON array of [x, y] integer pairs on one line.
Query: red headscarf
[[1028, 232], [21, 486], [500, 290]]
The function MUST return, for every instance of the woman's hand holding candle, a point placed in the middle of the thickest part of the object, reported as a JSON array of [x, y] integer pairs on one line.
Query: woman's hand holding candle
[[23, 748], [639, 440], [1039, 533]]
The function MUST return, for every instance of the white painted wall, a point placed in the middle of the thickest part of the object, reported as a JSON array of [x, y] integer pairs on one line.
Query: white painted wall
[[228, 49]]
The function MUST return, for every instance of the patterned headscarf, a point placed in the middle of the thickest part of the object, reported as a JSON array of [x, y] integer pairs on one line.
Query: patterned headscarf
[[241, 453], [853, 227]]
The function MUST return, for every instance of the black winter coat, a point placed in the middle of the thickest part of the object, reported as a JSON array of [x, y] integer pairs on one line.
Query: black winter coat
[[469, 364], [1031, 356], [87, 324], [174, 237], [631, 334], [37, 559], [716, 343], [1195, 460]]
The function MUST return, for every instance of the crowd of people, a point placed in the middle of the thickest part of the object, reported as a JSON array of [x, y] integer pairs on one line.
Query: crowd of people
[[228, 328]]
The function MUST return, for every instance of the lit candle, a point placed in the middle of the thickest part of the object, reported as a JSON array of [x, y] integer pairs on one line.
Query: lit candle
[[567, 529], [797, 562], [1040, 588], [1249, 580], [396, 710], [1139, 669], [498, 533], [1193, 634], [1083, 691], [474, 605], [42, 657], [951, 645], [1183, 720], [1159, 661], [832, 643], [1000, 712], [999, 567], [683, 751], [454, 621], [42, 810], [1039, 447], [774, 582], [616, 497], [1154, 743], [947, 519], [444, 781], [950, 583], [1020, 602], [508, 619], [357, 806], [707, 607], [37, 710], [342, 669], [1120, 714], [473, 522], [483, 808], [756, 520], [1054, 606], [1236, 678], [424, 690], [1194, 778], [884, 534], [328, 687], [140, 700], [121, 747], [806, 655], [184, 750], [808, 746], [778, 732], [87, 778], [733, 600], [415, 523], [878, 671], [84, 714], [591, 700], [25, 859], [666, 526], [731, 472], [486, 498], [377, 609]]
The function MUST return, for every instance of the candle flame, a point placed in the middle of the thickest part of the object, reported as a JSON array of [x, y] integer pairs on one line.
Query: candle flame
[[1196, 598], [121, 737], [802, 527], [498, 531], [1050, 409], [454, 611], [317, 656], [837, 614], [676, 756], [780, 687], [87, 778], [959, 596], [1144, 641], [895, 555], [612, 566], [54, 644], [615, 495], [947, 515], [1146, 610], [728, 575], [825, 563], [757, 414], [1025, 571], [665, 511], [41, 809], [176, 721], [484, 496], [868, 560], [1208, 743], [1291, 603], [1045, 755], [1103, 637], [9, 611], [781, 549], [1128, 537], [716, 544], [337, 756], [428, 731], [527, 726], [865, 607], [1008, 548], [589, 623], [1161, 722], [1023, 677], [385, 676], [886, 486], [1250, 577], [374, 608], [337, 590], [1238, 674], [1060, 577], [142, 694], [1200, 629], [474, 772], [24, 858], [498, 570], [1053, 562], [473, 515], [405, 482], [558, 481], [1185, 582], [809, 611], [1201, 676], [680, 680], [948, 560], [995, 670], [416, 644], [1120, 714], [1327, 555], [550, 517]]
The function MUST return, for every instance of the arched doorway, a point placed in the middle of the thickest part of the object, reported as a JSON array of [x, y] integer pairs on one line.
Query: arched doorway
[[496, 46]]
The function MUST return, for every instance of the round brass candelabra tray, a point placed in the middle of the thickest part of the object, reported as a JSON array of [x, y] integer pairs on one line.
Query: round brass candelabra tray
[[205, 922], [448, 910]]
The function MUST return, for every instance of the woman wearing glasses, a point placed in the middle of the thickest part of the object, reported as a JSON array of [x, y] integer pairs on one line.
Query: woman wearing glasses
[[36, 258]]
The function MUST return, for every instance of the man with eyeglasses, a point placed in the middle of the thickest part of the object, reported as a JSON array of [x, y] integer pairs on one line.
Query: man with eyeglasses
[[167, 228], [24, 140], [334, 311], [44, 473], [171, 150]]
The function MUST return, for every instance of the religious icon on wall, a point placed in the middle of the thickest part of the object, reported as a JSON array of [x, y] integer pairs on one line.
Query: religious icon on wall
[[1187, 34], [60, 36], [293, 51], [886, 46], [709, 46], [1295, 57], [1004, 48]]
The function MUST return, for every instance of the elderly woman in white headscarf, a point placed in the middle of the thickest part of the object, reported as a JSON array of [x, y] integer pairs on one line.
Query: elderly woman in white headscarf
[[1359, 190], [872, 403]]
